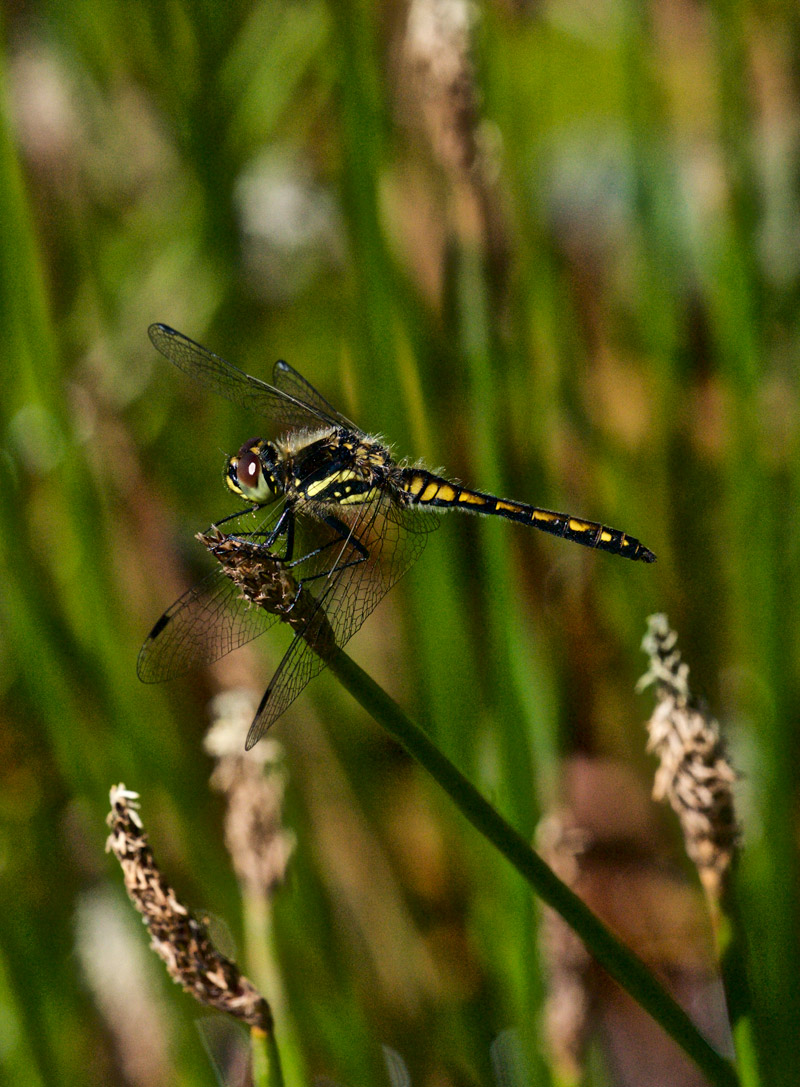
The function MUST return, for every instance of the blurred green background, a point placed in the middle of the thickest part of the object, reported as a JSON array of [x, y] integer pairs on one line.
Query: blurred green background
[[553, 247]]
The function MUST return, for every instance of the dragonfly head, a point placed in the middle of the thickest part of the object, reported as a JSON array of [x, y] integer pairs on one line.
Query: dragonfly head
[[254, 472]]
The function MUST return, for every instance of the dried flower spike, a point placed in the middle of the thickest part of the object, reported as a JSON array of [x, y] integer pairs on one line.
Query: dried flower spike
[[268, 583], [437, 53], [695, 775], [180, 939], [569, 1004], [253, 785], [442, 98]]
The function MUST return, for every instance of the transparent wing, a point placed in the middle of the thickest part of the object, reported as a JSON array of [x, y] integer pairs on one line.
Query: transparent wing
[[346, 579], [287, 380], [207, 622], [210, 620], [283, 409]]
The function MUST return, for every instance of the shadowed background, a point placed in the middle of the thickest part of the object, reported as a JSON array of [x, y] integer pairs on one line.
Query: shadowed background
[[553, 248]]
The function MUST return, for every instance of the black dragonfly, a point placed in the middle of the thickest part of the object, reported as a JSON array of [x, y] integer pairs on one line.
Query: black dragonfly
[[337, 522]]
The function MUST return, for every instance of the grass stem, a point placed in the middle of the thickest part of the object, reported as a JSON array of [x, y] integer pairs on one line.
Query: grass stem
[[626, 969]]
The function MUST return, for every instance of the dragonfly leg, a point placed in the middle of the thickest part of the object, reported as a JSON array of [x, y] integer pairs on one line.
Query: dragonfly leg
[[348, 535], [231, 517], [345, 535], [285, 524], [335, 569], [283, 527]]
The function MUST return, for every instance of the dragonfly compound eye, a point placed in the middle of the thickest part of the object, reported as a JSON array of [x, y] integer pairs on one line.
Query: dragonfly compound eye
[[251, 481], [248, 472]]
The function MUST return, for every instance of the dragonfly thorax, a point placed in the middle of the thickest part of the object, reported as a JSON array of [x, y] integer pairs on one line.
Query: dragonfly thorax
[[256, 472]]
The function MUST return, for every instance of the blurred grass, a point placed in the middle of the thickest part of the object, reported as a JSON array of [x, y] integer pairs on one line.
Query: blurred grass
[[603, 320]]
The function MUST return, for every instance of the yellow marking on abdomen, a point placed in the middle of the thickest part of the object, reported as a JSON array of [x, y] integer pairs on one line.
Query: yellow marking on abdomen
[[605, 536], [545, 515], [471, 499], [416, 485], [512, 507], [446, 493], [429, 493], [580, 526]]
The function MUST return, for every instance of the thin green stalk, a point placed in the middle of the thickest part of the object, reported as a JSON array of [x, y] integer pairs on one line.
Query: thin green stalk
[[742, 303], [257, 917], [266, 1059], [729, 937], [264, 972], [626, 969], [267, 1067]]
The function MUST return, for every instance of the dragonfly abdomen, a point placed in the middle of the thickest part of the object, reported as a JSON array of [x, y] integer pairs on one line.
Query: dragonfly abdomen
[[426, 489]]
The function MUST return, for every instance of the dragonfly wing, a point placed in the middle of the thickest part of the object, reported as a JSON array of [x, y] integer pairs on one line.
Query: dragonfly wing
[[347, 579], [207, 622], [418, 519], [281, 408], [287, 380]]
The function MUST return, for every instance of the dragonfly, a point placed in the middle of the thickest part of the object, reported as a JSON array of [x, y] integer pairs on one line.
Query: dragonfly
[[331, 522]]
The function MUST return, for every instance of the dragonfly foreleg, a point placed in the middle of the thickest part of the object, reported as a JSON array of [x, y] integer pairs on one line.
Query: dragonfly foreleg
[[344, 535], [283, 527], [231, 517]]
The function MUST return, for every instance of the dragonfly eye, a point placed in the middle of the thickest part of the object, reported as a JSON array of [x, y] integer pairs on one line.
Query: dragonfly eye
[[248, 472]]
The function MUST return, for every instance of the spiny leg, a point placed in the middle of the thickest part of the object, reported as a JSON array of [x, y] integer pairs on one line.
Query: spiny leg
[[232, 517], [283, 527], [345, 535]]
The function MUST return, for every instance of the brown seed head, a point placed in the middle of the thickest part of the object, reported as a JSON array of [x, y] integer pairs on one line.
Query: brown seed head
[[269, 584], [695, 775], [180, 939], [253, 785]]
